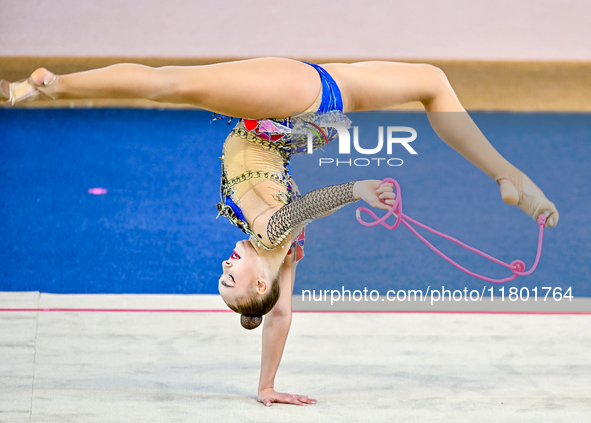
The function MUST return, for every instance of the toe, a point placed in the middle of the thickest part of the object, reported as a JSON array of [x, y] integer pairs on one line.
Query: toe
[[549, 209], [552, 220]]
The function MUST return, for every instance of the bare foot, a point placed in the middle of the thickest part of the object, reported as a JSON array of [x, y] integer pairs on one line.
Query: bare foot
[[519, 190]]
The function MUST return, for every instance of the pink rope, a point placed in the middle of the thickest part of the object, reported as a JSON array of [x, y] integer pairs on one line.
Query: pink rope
[[517, 267], [115, 310]]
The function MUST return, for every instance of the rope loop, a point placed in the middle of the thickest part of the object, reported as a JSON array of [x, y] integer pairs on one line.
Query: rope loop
[[517, 267]]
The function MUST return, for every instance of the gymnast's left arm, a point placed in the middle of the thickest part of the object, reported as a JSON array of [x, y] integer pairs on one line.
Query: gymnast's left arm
[[275, 330]]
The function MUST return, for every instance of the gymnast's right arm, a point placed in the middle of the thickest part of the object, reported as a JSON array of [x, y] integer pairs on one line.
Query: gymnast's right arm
[[324, 201]]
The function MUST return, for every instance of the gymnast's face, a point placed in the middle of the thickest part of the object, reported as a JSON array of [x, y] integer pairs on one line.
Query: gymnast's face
[[243, 272]]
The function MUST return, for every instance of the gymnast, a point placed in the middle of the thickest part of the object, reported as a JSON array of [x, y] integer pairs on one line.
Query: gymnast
[[272, 97]]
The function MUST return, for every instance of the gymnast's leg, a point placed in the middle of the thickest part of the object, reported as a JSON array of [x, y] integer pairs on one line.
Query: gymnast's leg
[[378, 85], [257, 88]]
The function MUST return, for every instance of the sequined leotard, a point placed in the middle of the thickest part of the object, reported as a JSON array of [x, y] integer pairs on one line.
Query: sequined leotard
[[256, 185]]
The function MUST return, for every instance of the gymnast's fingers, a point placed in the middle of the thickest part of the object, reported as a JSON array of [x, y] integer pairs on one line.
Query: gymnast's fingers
[[302, 400], [387, 196], [305, 400], [295, 400], [384, 205], [385, 188]]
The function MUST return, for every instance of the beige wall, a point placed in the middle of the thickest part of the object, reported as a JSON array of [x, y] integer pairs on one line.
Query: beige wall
[[403, 29]]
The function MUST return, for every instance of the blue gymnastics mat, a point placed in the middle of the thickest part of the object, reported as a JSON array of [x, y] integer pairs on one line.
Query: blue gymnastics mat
[[155, 230]]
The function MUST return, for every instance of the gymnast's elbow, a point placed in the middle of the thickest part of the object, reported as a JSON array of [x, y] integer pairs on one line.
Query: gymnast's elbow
[[280, 313]]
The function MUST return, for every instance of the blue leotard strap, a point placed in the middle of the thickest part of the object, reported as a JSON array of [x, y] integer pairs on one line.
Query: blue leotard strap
[[331, 95], [234, 206]]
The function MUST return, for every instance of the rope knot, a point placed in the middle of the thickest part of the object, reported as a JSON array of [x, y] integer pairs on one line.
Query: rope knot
[[517, 266], [542, 219]]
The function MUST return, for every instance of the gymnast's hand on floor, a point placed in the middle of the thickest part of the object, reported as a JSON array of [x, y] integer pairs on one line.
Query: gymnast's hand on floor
[[269, 396], [518, 190], [374, 194]]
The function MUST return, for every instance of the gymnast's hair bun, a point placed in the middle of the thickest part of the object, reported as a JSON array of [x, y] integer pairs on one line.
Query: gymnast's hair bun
[[250, 322]]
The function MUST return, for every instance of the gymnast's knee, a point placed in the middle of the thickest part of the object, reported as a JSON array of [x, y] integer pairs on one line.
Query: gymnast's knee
[[435, 84], [436, 74]]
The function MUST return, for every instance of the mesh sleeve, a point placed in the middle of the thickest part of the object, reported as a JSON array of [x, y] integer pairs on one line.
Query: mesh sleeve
[[315, 204]]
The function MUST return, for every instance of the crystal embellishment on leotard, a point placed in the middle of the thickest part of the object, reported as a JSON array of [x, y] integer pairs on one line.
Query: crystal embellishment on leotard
[[217, 116], [277, 147], [290, 135], [320, 126]]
